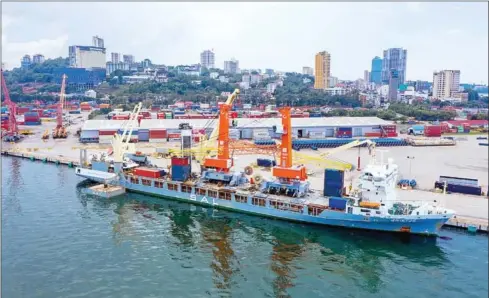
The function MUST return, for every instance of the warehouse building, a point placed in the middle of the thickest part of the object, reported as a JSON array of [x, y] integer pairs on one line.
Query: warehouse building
[[159, 130]]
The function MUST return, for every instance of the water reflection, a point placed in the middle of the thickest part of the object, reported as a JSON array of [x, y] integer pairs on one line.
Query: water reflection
[[360, 257], [14, 181]]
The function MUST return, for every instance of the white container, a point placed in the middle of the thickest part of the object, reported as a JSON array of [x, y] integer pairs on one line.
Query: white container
[[157, 140], [261, 134]]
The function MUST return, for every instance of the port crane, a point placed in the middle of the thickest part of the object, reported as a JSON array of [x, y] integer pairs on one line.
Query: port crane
[[60, 131], [12, 134], [222, 163], [120, 143]]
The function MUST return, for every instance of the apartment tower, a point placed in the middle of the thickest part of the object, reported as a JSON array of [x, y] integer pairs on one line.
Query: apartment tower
[[322, 67]]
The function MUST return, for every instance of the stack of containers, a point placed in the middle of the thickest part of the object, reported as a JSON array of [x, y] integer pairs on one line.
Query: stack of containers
[[85, 107], [174, 136], [22, 110], [333, 183], [143, 135], [389, 130], [32, 118], [344, 132], [157, 135], [4, 110], [169, 115], [432, 131], [160, 116], [180, 168], [133, 137], [5, 121], [466, 127], [106, 136]]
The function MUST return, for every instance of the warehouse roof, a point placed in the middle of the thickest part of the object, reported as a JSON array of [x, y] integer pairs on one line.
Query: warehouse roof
[[241, 122], [267, 122], [103, 124]]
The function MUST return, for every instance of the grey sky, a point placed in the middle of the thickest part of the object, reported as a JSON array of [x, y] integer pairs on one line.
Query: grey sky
[[282, 36]]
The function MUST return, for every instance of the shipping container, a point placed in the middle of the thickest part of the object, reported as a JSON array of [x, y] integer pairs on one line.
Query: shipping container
[[157, 140], [143, 135], [180, 173], [148, 172], [174, 135], [317, 134], [262, 162], [260, 134], [337, 203], [432, 130], [32, 123], [157, 134], [464, 189], [89, 134], [107, 132], [179, 161], [459, 180]]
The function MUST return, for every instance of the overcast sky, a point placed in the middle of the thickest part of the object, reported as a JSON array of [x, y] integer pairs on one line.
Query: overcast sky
[[282, 36]]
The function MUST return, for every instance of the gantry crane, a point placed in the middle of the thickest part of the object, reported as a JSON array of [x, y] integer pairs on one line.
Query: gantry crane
[[60, 131], [12, 134]]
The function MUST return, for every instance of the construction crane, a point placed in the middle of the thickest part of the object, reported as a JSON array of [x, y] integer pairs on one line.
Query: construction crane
[[120, 143], [60, 131], [284, 169], [12, 134], [222, 163]]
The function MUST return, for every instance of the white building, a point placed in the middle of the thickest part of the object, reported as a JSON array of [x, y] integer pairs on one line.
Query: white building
[[335, 91], [445, 83], [129, 59], [87, 57], [224, 79], [255, 79], [333, 81], [207, 59], [246, 78], [306, 70], [111, 67], [214, 75], [271, 87], [91, 93], [231, 66], [38, 59], [98, 42], [244, 85], [115, 57]]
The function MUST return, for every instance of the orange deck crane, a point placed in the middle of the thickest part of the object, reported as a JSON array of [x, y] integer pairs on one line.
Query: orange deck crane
[[223, 162], [285, 170]]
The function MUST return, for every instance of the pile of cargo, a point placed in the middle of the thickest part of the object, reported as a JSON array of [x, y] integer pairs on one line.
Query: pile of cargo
[[180, 168], [459, 185]]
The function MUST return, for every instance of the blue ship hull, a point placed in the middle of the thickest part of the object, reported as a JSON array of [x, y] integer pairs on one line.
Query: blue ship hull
[[425, 225]]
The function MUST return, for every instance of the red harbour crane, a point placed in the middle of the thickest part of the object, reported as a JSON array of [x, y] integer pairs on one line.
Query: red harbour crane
[[12, 131]]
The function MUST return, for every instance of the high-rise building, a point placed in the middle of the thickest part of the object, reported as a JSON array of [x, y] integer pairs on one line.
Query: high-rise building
[[38, 59], [445, 83], [98, 42], [306, 70], [366, 76], [207, 59], [128, 59], [25, 62], [322, 67], [394, 58], [115, 57], [332, 82], [87, 57], [231, 66], [376, 71], [393, 84]]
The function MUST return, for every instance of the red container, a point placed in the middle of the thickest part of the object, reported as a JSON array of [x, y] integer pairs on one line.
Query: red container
[[391, 134], [160, 116], [157, 134], [196, 139], [147, 172], [107, 132], [432, 130], [174, 135], [179, 161]]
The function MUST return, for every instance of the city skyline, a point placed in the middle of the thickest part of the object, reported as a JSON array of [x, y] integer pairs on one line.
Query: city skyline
[[433, 42]]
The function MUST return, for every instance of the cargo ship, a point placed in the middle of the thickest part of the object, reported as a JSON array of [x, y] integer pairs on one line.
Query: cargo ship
[[287, 196]]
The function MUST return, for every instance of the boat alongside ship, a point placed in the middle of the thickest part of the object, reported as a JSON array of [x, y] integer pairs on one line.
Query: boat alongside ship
[[373, 205]]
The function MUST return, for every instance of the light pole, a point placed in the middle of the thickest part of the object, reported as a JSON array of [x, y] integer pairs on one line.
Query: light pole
[[410, 164]]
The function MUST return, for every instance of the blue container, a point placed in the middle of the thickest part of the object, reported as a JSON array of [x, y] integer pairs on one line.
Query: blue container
[[333, 175], [33, 123], [180, 173], [4, 110], [261, 162], [459, 180], [464, 189], [337, 203]]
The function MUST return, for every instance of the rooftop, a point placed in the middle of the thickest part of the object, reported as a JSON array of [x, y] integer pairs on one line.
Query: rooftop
[[241, 122]]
